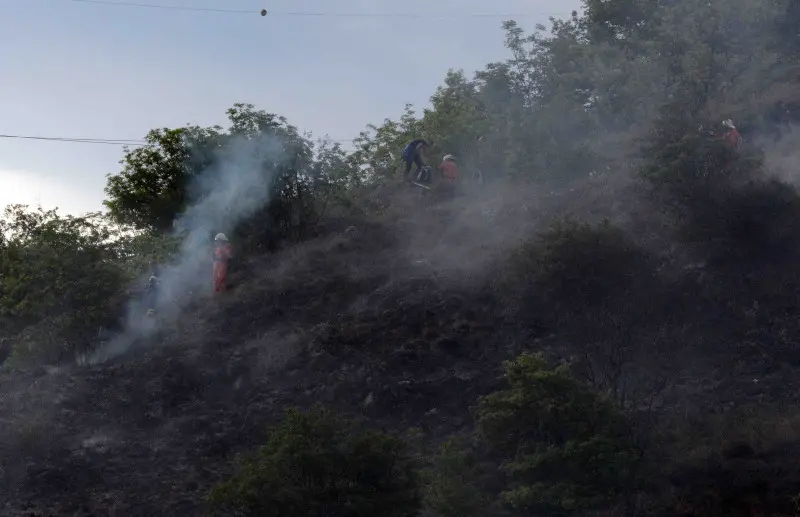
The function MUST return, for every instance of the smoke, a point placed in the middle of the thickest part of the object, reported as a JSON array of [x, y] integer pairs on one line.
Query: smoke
[[233, 188], [781, 158]]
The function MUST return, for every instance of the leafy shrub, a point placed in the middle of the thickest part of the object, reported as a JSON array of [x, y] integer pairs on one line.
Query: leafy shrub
[[456, 484], [545, 445], [563, 447], [718, 197], [573, 268], [60, 278], [735, 481], [314, 464], [751, 226]]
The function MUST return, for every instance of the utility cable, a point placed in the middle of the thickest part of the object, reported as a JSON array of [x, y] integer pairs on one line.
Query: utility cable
[[120, 141], [78, 140], [267, 12]]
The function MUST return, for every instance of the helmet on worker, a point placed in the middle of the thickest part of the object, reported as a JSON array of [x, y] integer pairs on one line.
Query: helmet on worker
[[221, 237]]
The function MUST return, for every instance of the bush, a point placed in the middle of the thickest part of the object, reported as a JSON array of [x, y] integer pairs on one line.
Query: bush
[[750, 226], [545, 445], [313, 465], [719, 199], [61, 277], [573, 268], [563, 447], [736, 481], [456, 484]]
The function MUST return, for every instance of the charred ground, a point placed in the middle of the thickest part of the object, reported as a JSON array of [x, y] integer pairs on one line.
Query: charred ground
[[400, 322], [677, 317]]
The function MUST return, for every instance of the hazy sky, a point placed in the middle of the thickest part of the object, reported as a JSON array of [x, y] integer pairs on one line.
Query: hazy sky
[[73, 69]]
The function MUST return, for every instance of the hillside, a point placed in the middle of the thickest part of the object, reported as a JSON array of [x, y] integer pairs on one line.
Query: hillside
[[397, 312], [337, 319], [605, 325], [401, 322]]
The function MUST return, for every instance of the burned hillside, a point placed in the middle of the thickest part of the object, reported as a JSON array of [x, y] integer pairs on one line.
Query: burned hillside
[[598, 317]]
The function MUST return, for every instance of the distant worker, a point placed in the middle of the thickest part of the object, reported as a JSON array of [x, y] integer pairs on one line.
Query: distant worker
[[151, 289], [414, 154], [222, 254], [449, 171], [732, 136], [449, 168]]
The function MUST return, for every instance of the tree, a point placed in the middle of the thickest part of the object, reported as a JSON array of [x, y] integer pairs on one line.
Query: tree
[[180, 168], [377, 155], [61, 276], [152, 187], [456, 485], [314, 464], [563, 447], [545, 444]]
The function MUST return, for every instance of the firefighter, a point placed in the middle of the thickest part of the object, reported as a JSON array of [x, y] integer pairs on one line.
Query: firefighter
[[449, 171], [152, 288], [732, 137], [222, 254], [449, 168]]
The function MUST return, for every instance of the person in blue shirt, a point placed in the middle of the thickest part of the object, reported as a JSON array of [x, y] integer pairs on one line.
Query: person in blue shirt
[[414, 154]]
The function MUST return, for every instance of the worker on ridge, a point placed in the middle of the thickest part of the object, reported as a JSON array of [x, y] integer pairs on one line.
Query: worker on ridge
[[152, 287], [222, 254], [449, 170], [732, 137], [414, 153]]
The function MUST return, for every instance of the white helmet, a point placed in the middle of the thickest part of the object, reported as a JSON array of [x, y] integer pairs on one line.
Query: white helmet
[[448, 157], [728, 123], [220, 237]]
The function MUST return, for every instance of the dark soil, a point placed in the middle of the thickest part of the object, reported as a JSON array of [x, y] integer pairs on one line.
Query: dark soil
[[400, 321]]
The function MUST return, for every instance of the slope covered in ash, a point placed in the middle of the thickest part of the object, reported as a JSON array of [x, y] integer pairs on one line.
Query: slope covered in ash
[[404, 319], [377, 300], [397, 319]]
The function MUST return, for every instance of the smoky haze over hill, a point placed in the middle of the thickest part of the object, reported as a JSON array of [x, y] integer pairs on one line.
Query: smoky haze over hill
[[604, 323]]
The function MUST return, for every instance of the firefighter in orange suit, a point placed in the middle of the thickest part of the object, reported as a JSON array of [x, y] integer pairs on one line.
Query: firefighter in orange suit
[[222, 254]]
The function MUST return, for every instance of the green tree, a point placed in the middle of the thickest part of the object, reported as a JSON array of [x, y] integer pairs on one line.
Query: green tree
[[314, 464], [152, 187], [563, 447], [160, 180], [456, 484], [62, 277], [378, 149]]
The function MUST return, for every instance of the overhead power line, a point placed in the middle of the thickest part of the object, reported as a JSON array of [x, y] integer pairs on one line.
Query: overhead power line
[[319, 13], [171, 7], [79, 140], [117, 141]]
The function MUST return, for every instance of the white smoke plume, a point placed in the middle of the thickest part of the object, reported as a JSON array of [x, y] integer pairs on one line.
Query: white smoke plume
[[236, 186]]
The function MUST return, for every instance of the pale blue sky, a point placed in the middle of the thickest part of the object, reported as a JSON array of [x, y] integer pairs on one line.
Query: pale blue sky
[[95, 71]]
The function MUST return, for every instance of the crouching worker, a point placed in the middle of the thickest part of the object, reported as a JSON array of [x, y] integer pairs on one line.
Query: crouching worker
[[449, 170], [222, 254], [414, 154]]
